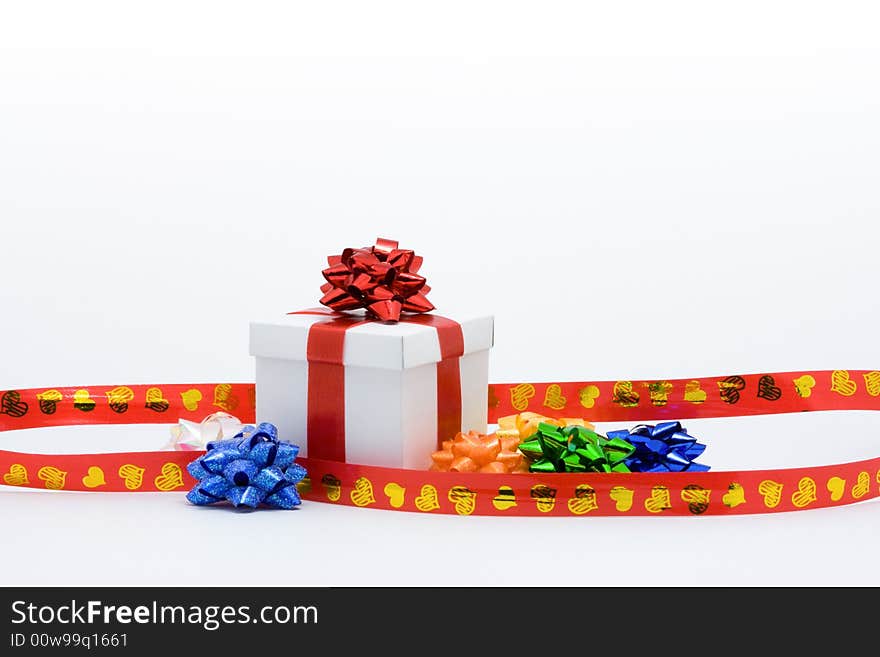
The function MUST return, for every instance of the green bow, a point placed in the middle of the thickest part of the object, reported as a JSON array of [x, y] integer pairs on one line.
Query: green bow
[[574, 449]]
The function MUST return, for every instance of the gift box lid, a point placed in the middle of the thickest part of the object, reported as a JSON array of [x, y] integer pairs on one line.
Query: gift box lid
[[375, 344]]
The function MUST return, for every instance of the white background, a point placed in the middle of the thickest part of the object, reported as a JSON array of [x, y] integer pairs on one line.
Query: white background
[[636, 189]]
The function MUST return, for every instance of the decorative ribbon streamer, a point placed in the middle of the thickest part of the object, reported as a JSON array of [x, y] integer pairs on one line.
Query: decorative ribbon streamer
[[250, 469], [686, 493], [731, 395], [383, 279], [574, 449], [704, 397], [665, 447]]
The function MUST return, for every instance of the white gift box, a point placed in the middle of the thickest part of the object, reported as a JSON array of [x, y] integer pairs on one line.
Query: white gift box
[[390, 381]]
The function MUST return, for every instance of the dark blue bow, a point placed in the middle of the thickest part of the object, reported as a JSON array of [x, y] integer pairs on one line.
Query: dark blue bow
[[665, 447], [252, 468]]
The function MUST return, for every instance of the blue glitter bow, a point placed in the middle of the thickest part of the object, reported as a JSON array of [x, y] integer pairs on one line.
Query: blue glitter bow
[[250, 469], [665, 447]]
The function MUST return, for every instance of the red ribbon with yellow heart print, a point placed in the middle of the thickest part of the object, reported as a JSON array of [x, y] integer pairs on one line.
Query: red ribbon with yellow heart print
[[515, 494]]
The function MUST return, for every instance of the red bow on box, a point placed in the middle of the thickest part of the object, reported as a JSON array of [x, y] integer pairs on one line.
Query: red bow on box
[[382, 278]]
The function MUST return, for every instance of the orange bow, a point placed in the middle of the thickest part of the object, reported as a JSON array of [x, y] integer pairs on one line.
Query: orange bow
[[476, 452]]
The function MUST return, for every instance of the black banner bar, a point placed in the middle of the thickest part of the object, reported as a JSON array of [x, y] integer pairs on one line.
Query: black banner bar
[[248, 621]]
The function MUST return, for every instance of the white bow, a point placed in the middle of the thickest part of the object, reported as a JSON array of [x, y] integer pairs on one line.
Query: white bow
[[188, 436]]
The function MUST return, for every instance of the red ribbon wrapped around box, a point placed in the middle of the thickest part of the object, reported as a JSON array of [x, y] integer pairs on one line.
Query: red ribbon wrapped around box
[[326, 382]]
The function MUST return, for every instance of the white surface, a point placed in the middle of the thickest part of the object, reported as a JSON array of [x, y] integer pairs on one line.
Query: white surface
[[696, 194], [155, 540]]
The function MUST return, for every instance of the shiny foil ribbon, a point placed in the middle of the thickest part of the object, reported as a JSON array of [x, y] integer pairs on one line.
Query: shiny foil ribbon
[[575, 449], [383, 279], [665, 447], [250, 469], [189, 436], [476, 452]]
